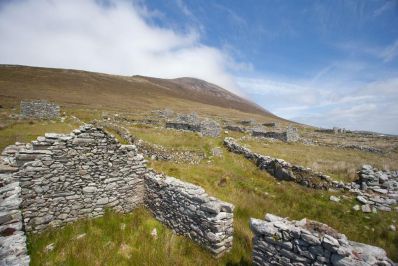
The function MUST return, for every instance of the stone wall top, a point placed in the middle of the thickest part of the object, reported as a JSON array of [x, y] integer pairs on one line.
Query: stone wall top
[[278, 241]]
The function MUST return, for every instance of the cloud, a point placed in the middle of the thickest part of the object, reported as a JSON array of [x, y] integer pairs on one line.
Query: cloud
[[390, 52], [353, 105], [106, 36]]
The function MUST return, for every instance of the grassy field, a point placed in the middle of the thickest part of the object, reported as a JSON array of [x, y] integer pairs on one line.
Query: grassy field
[[231, 178]]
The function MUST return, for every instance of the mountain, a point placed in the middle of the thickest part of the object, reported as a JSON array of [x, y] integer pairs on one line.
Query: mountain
[[129, 93], [205, 92]]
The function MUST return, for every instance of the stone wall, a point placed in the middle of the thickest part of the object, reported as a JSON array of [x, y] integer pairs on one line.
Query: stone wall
[[60, 178], [39, 109], [278, 241], [13, 250], [68, 177], [290, 135], [189, 211], [191, 122], [283, 170], [376, 189]]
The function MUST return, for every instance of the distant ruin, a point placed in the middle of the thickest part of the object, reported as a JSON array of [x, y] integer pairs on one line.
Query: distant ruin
[[290, 135], [41, 109], [191, 122]]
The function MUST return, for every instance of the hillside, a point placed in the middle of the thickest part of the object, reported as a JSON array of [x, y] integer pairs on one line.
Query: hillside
[[97, 90]]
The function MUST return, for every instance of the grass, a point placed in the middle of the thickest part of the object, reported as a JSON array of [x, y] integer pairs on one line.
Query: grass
[[116, 239], [26, 131], [231, 178], [341, 164], [254, 193]]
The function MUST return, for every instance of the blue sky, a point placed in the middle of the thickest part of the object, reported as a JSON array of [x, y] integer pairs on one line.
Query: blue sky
[[324, 63]]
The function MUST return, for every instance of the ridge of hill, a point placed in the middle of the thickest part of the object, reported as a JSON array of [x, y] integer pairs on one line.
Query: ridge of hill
[[128, 93]]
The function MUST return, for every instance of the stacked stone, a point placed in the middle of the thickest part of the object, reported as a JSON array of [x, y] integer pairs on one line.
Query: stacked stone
[[249, 122], [13, 249], [283, 170], [290, 135], [271, 124], [39, 109], [210, 128], [191, 122], [184, 125], [377, 190], [189, 211], [68, 177], [235, 128], [278, 241]]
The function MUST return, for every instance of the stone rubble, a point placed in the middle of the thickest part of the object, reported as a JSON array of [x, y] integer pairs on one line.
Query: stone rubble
[[376, 189], [278, 241]]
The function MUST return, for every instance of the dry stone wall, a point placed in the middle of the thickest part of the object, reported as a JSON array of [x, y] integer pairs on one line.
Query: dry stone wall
[[278, 241], [60, 178], [77, 176], [189, 211], [39, 109], [290, 135], [13, 250], [283, 170]]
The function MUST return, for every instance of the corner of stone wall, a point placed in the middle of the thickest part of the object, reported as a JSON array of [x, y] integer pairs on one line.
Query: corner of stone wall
[[278, 241], [13, 249], [189, 211]]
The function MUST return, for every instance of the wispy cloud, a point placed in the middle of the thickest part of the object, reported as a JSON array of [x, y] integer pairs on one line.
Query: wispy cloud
[[113, 38], [350, 104], [390, 52]]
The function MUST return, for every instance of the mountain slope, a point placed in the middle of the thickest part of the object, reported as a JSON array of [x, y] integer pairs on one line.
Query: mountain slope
[[205, 92], [97, 90]]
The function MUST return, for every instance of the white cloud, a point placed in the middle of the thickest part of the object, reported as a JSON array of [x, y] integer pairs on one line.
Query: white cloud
[[113, 38], [366, 105]]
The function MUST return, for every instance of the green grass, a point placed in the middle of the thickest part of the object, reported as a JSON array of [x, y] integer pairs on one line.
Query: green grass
[[231, 178], [107, 243], [27, 131]]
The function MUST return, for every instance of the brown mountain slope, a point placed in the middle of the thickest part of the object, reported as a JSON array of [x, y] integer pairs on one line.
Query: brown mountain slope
[[205, 92], [97, 90]]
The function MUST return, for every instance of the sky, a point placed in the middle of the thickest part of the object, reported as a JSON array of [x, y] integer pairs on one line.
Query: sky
[[324, 63]]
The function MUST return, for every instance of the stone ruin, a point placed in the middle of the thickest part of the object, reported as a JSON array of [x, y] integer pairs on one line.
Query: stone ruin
[[191, 122], [60, 178], [283, 170], [235, 128], [335, 130], [41, 109], [270, 124], [249, 122], [278, 241], [375, 189], [290, 135]]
